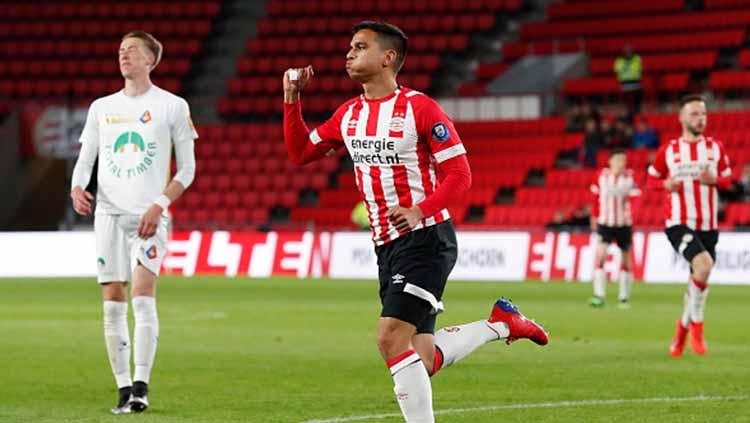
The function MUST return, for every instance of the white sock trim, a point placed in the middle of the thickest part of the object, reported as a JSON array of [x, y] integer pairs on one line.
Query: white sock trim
[[404, 362]]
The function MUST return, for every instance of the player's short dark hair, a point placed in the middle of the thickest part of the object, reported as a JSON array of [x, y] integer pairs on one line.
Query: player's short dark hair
[[149, 41], [689, 98], [389, 36], [617, 150]]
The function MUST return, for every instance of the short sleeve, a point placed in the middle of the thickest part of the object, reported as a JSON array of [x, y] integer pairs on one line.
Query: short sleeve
[[90, 133], [182, 125], [724, 166], [658, 169], [434, 126]]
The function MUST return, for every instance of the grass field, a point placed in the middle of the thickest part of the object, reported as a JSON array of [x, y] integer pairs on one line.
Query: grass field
[[241, 350]]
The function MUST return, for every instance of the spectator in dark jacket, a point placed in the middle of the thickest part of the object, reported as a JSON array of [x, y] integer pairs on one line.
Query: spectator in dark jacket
[[593, 141], [645, 136]]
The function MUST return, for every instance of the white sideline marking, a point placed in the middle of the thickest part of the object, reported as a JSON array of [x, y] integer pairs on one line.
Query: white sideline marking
[[560, 404]]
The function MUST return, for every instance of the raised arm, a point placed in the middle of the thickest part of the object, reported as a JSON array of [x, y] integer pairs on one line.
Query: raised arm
[[302, 145]]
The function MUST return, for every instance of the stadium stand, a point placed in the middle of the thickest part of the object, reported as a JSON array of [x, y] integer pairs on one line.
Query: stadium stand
[[39, 41], [244, 178], [504, 155], [433, 29]]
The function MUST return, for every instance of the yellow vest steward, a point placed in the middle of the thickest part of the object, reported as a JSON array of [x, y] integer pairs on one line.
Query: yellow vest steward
[[628, 70]]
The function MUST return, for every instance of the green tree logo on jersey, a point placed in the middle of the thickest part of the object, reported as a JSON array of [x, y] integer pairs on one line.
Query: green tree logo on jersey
[[129, 138], [129, 156]]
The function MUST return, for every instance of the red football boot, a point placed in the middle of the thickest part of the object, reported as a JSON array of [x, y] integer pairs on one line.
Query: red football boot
[[518, 325], [678, 343], [697, 344]]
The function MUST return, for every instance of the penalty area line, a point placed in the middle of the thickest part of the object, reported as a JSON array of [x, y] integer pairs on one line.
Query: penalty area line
[[560, 404]]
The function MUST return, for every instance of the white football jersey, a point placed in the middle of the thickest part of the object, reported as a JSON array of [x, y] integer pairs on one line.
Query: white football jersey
[[134, 137]]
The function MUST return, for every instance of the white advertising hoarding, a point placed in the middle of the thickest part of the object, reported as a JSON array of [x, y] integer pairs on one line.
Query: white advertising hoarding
[[664, 265], [483, 256], [47, 254]]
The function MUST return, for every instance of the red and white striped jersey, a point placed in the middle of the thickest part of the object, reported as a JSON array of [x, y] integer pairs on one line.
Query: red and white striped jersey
[[694, 205], [612, 195], [395, 143]]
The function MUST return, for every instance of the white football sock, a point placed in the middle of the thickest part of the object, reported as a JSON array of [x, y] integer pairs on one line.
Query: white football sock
[[457, 342], [412, 387], [145, 337], [698, 295], [626, 282], [117, 340], [685, 320], [600, 283]]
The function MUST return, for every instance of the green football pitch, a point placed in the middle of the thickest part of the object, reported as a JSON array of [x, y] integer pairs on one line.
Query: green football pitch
[[281, 350]]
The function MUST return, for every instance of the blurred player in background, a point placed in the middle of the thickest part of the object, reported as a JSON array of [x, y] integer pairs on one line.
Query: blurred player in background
[[132, 133], [398, 138], [690, 169], [612, 219]]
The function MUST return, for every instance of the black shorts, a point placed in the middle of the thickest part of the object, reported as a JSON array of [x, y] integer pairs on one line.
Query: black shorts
[[621, 235], [690, 243], [413, 270]]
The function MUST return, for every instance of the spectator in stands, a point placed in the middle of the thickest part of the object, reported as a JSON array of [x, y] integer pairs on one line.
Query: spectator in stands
[[589, 111], [607, 129], [581, 218], [628, 69], [578, 114], [558, 221], [593, 141], [645, 136], [576, 119], [578, 219], [620, 134]]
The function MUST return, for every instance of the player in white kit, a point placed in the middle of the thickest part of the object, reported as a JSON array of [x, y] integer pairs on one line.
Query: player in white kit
[[132, 133]]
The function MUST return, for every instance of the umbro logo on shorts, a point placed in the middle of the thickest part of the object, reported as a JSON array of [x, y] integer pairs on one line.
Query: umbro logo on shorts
[[398, 278]]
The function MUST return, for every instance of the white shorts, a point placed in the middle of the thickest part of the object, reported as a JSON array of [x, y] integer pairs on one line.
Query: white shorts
[[119, 249]]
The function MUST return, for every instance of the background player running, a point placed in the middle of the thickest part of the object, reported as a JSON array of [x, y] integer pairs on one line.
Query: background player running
[[612, 218], [690, 169]]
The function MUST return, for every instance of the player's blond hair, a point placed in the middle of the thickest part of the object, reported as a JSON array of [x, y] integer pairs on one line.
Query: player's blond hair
[[151, 43]]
